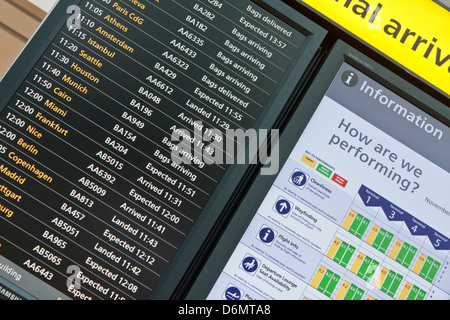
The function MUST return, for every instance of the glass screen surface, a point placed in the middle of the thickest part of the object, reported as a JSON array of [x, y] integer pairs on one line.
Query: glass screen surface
[[92, 204], [360, 210]]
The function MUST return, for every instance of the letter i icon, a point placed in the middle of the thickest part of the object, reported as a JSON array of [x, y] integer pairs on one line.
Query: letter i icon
[[266, 235], [349, 78]]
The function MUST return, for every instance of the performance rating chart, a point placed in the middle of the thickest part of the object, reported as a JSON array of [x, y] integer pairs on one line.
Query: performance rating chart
[[87, 178], [364, 260], [418, 259]]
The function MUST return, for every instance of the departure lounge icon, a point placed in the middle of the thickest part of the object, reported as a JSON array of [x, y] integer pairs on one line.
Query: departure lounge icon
[[250, 264]]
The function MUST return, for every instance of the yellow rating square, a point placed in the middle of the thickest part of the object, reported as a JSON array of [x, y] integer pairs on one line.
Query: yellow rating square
[[309, 161]]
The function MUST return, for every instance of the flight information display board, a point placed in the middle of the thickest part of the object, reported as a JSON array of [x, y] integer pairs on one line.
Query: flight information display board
[[92, 204], [360, 209]]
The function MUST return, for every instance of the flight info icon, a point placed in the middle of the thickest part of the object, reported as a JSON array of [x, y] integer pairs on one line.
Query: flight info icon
[[266, 235]]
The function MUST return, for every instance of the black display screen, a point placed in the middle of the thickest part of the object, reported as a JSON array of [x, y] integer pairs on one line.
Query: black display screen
[[92, 204]]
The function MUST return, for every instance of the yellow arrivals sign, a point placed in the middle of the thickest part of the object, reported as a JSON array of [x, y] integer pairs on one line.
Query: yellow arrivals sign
[[415, 33]]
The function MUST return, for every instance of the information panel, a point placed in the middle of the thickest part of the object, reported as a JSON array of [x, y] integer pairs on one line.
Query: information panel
[[92, 204], [359, 211]]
